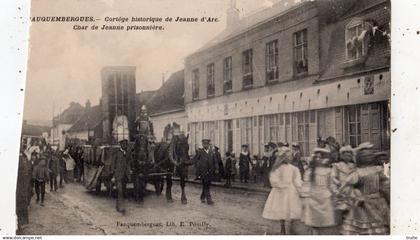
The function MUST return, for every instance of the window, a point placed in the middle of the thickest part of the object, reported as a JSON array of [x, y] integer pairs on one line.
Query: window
[[210, 80], [354, 127], [271, 61], [195, 84], [303, 131], [301, 52], [227, 74], [247, 130], [272, 128], [247, 79], [355, 40]]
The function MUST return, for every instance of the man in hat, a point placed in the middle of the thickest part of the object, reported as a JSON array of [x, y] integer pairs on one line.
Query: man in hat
[[40, 177], [120, 168], [244, 162], [206, 168]]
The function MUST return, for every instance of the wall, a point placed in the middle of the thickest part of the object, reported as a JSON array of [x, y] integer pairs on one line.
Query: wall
[[280, 29], [57, 134], [332, 94], [161, 121]]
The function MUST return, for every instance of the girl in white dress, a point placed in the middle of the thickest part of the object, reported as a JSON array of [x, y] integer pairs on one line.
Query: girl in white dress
[[283, 203]]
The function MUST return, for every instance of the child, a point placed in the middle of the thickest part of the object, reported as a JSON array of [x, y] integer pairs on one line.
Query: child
[[40, 177], [234, 168], [228, 169], [284, 203], [254, 168], [340, 172], [318, 208], [370, 212]]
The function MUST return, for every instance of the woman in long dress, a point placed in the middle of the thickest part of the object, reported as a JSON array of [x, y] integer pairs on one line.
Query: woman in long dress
[[369, 215], [319, 209], [283, 203]]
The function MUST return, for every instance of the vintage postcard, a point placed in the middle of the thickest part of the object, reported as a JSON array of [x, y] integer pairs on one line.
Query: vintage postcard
[[221, 117]]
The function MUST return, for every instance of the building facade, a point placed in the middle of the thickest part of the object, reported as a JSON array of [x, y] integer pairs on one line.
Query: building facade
[[63, 122], [293, 74]]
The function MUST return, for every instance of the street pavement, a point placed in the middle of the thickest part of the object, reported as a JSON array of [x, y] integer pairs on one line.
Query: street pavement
[[74, 211]]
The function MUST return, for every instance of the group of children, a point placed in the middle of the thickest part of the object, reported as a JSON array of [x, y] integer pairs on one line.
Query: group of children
[[348, 189]]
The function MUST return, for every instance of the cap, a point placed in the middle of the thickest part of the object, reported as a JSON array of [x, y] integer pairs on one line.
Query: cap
[[205, 140], [123, 141], [295, 144], [244, 145]]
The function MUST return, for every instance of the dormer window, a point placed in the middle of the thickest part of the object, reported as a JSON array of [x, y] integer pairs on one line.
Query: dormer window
[[356, 40]]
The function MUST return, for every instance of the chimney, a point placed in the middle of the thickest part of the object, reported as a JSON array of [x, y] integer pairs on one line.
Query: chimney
[[232, 15], [163, 78]]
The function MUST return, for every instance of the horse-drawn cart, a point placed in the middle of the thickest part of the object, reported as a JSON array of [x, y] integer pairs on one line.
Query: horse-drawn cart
[[98, 170]]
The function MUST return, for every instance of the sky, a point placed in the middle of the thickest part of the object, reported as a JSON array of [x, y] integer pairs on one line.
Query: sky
[[64, 64]]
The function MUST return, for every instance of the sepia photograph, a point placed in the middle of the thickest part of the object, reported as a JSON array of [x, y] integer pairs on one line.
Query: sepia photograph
[[207, 117]]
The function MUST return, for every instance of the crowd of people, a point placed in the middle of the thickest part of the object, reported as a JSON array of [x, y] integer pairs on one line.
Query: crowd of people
[[41, 165], [249, 168], [337, 186], [340, 187]]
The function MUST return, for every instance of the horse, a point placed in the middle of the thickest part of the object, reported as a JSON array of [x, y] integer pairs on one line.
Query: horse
[[180, 160], [142, 163]]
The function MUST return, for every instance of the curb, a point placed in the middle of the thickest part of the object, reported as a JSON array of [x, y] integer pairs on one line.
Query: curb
[[221, 185]]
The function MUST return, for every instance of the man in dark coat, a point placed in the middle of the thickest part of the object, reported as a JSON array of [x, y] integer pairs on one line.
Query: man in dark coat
[[206, 168], [220, 164], [54, 169], [228, 169], [62, 168], [120, 168], [266, 165], [244, 162]]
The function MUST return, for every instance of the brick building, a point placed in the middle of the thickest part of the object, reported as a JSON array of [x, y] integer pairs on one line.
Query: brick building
[[292, 73]]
